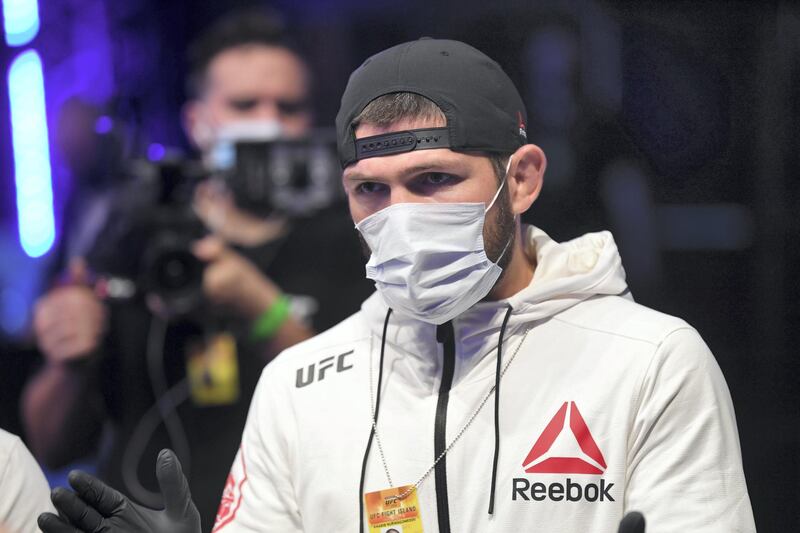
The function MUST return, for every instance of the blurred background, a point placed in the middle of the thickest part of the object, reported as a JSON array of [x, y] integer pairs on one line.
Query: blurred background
[[672, 124]]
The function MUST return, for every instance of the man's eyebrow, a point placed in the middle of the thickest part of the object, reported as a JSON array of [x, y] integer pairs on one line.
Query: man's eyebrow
[[357, 176], [242, 98], [438, 166]]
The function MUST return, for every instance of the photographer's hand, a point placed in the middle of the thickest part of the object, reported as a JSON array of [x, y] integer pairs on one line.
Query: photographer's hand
[[95, 507], [69, 321], [215, 206], [231, 280]]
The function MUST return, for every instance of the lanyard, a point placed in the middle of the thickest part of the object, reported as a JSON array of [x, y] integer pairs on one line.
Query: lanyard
[[458, 435]]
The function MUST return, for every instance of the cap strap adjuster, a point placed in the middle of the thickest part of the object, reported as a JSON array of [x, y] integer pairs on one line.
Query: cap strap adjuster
[[401, 141]]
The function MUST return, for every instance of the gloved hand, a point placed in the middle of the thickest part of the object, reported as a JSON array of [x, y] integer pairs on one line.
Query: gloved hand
[[95, 507], [633, 522]]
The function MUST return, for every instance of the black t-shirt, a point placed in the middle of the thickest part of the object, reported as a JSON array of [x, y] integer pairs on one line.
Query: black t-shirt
[[318, 264]]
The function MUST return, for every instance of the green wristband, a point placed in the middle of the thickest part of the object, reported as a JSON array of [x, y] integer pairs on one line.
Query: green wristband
[[271, 320]]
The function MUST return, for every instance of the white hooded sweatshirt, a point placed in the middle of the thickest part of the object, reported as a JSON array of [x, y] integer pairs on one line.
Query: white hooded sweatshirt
[[605, 407], [24, 492]]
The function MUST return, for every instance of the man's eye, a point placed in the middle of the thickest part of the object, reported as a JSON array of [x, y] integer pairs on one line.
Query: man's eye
[[244, 104], [370, 187], [287, 107], [437, 178]]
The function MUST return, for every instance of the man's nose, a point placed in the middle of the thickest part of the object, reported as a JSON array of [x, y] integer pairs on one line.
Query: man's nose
[[266, 111]]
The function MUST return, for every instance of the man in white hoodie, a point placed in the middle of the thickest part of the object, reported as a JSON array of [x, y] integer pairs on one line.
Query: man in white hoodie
[[497, 380]]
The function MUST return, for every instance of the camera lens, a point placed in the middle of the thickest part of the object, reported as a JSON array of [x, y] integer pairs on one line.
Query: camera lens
[[172, 273], [176, 269]]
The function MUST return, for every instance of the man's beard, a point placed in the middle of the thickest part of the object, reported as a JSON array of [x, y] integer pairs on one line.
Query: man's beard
[[365, 251], [497, 235], [500, 235]]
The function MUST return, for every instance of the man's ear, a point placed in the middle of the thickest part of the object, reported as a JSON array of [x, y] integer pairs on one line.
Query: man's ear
[[525, 177]]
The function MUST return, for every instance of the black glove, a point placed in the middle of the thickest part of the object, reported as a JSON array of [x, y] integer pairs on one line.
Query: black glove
[[632, 522], [95, 507]]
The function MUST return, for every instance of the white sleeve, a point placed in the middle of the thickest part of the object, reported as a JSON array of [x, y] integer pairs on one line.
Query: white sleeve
[[24, 492], [684, 463], [259, 495]]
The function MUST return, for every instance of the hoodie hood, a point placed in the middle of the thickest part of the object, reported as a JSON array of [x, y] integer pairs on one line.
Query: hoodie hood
[[566, 274]]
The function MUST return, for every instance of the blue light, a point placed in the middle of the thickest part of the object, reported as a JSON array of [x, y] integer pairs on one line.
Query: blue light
[[32, 171], [13, 311], [103, 125], [156, 152], [21, 21]]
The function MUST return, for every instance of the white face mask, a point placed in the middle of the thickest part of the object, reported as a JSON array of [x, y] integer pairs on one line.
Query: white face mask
[[222, 155], [428, 259]]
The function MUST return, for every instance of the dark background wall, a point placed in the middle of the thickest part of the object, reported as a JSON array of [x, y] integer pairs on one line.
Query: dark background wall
[[672, 124]]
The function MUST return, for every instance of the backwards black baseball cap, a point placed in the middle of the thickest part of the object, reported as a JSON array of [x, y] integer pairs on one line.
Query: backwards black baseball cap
[[484, 111]]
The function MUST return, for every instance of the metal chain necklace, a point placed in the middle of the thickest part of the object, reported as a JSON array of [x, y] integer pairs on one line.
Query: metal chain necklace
[[452, 443]]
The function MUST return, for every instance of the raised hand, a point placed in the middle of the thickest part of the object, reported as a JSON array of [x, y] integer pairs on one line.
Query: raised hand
[[95, 507]]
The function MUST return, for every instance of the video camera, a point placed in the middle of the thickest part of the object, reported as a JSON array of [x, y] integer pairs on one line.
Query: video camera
[[293, 177], [290, 178]]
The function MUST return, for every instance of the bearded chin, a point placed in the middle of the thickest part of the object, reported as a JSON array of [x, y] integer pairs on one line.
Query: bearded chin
[[365, 251]]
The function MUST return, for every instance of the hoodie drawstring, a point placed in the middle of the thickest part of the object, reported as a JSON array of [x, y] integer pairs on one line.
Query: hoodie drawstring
[[497, 408], [372, 429], [378, 404]]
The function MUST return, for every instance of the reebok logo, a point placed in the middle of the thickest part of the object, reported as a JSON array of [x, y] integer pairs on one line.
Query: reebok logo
[[521, 125], [571, 492], [566, 446], [566, 427]]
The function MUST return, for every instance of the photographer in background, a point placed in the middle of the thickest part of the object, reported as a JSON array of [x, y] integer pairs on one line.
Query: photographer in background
[[132, 375]]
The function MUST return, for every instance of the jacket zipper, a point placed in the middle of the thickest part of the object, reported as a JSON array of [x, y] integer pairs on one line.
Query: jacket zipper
[[445, 336]]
